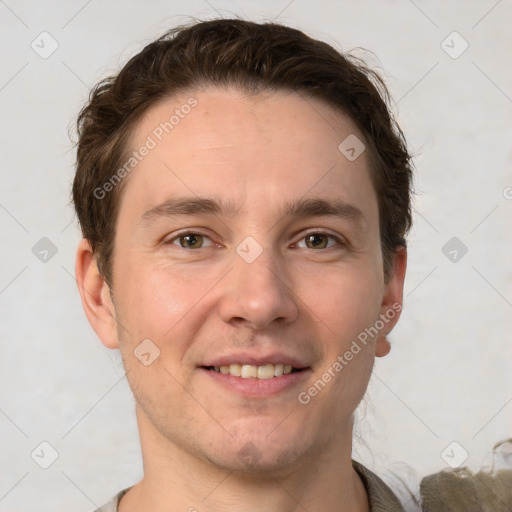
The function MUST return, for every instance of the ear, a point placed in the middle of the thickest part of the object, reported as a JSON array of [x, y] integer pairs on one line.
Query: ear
[[391, 305], [95, 295]]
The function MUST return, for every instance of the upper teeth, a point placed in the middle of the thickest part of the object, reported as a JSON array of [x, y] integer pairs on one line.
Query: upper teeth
[[248, 371]]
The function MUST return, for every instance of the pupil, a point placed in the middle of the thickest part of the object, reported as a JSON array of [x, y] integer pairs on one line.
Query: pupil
[[316, 240], [190, 240]]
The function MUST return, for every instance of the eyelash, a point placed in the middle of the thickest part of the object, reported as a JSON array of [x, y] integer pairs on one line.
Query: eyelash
[[171, 241], [176, 237], [323, 232]]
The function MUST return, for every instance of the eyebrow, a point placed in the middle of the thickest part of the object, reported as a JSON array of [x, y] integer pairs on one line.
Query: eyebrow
[[318, 207], [189, 206], [310, 207]]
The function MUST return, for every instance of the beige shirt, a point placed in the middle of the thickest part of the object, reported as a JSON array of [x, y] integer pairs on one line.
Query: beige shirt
[[380, 496]]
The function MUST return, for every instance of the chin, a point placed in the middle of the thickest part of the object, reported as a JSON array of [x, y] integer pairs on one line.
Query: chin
[[250, 460], [263, 449]]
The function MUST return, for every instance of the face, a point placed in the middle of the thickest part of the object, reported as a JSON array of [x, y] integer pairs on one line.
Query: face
[[248, 252]]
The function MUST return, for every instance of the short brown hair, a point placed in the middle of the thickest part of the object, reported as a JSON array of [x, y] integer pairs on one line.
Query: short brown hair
[[252, 57]]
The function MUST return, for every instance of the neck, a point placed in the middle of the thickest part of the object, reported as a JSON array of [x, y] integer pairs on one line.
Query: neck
[[177, 480]]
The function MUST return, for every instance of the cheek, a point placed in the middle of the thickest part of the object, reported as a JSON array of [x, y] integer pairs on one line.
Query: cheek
[[350, 306], [156, 298], [344, 302], [156, 304]]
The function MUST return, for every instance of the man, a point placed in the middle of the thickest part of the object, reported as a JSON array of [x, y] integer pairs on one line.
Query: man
[[244, 196]]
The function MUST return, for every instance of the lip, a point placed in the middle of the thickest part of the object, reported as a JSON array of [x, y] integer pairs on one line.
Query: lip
[[257, 388], [257, 359]]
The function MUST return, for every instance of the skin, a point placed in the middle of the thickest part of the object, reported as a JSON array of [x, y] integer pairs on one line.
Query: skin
[[196, 304]]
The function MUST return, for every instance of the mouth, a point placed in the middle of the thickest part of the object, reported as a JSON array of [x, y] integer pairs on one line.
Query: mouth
[[263, 380], [250, 371]]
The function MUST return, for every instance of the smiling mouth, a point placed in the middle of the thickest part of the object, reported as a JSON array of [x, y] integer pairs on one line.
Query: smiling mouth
[[250, 371]]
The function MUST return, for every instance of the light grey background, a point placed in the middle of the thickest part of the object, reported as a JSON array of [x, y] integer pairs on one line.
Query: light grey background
[[447, 377]]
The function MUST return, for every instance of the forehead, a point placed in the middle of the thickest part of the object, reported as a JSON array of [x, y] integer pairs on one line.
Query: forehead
[[257, 150]]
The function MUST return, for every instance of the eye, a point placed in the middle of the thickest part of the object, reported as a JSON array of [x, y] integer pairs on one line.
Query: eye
[[318, 240], [190, 241]]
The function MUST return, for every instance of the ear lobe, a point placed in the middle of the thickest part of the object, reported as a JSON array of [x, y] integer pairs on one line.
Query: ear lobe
[[95, 295], [382, 347], [391, 305]]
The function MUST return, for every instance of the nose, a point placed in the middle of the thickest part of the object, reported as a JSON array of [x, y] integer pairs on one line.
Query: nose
[[257, 293]]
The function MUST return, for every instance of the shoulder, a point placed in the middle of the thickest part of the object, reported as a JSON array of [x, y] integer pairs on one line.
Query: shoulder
[[460, 490], [380, 496], [111, 506]]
